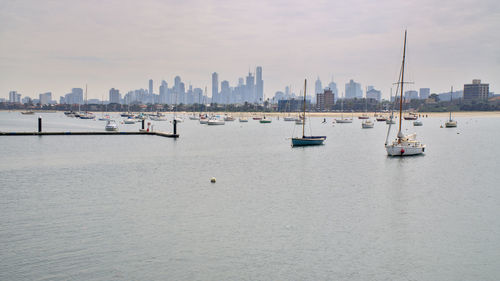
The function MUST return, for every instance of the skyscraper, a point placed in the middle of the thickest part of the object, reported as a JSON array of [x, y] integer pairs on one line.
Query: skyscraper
[[250, 89], [45, 98], [424, 93], [14, 97], [114, 95], [318, 88], [353, 90], [150, 86], [225, 92], [259, 84], [215, 87]]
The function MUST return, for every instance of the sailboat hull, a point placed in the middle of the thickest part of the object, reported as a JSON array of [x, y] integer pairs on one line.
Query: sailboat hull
[[404, 150], [450, 124], [307, 141]]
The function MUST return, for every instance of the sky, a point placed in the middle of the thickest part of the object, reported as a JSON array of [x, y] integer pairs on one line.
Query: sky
[[58, 45]]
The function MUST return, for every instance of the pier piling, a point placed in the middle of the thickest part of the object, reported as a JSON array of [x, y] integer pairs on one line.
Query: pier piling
[[39, 124], [143, 124], [175, 127]]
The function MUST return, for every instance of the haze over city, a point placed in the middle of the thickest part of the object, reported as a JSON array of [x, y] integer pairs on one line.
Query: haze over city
[[56, 46]]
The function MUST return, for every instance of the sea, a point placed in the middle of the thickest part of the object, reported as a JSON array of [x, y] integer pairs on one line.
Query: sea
[[142, 207]]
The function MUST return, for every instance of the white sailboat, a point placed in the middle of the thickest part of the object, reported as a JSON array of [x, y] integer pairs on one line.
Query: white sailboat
[[342, 119], [403, 145], [451, 123]]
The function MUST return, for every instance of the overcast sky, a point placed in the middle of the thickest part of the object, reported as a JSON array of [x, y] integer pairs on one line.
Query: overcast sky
[[57, 45]]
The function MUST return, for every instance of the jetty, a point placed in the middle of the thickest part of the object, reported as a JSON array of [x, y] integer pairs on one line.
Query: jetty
[[142, 131], [107, 133]]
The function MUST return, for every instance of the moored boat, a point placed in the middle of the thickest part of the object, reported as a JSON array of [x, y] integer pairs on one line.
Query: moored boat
[[111, 125]]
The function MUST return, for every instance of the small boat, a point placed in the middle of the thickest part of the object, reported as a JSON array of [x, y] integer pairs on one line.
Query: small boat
[[179, 119], [105, 118], [29, 112], [203, 120], [158, 118], [417, 123], [367, 124], [265, 120], [289, 118], [450, 123], [363, 117], [111, 125], [390, 121], [215, 121], [126, 115], [243, 119], [87, 116], [228, 118], [342, 119], [307, 140], [381, 119], [411, 117], [194, 117], [257, 118], [403, 145], [129, 120]]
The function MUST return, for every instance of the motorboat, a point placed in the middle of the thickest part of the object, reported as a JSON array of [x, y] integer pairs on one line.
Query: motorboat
[[203, 120], [228, 118], [129, 120], [29, 112], [265, 120], [215, 121], [111, 125], [243, 119], [367, 124], [417, 123]]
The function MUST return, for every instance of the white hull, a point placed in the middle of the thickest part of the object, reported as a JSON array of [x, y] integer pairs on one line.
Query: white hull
[[216, 122], [343, 121], [203, 121], [243, 120], [111, 126], [367, 124], [450, 124], [405, 146]]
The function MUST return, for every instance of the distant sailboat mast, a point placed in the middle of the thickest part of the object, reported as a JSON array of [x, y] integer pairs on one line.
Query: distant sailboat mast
[[400, 134], [304, 106]]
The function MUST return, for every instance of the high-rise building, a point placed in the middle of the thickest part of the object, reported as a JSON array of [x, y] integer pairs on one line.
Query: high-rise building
[[353, 90], [45, 98], [259, 84], [250, 89], [114, 96], [411, 95], [14, 97], [215, 87], [372, 93], [476, 91], [424, 93], [225, 92], [318, 88], [325, 100], [150, 86]]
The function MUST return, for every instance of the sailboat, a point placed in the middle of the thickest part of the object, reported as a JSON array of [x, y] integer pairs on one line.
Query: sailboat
[[365, 115], [307, 140], [451, 123], [87, 115], [403, 145], [342, 119], [367, 123], [390, 120]]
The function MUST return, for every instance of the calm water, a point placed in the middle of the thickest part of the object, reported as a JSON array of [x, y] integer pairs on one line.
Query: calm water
[[143, 208]]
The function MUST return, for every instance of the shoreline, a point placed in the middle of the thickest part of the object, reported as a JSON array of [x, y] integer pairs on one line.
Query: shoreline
[[311, 114]]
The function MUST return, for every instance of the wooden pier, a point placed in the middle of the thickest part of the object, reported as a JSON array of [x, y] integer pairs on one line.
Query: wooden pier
[[107, 133]]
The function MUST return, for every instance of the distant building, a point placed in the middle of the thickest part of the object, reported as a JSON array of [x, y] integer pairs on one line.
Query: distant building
[[215, 87], [318, 88], [476, 90], [114, 96], [292, 105], [424, 93], [250, 89], [14, 97], [259, 84], [325, 100], [150, 86], [45, 98], [411, 95], [372, 93], [353, 90]]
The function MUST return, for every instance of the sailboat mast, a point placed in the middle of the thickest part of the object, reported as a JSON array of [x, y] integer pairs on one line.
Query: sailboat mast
[[304, 120], [86, 101], [451, 99], [402, 82]]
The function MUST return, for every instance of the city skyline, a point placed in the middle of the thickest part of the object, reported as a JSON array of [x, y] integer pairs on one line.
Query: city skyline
[[124, 44]]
